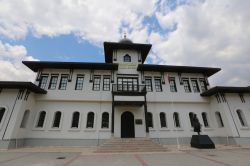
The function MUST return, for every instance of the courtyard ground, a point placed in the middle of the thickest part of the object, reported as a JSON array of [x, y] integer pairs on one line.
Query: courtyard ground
[[82, 156]]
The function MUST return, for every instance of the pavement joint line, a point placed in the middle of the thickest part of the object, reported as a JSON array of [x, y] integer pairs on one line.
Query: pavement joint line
[[235, 152], [72, 160], [15, 158], [140, 160], [203, 157]]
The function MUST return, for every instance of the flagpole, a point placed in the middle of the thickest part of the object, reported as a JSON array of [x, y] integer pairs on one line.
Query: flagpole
[[172, 106]]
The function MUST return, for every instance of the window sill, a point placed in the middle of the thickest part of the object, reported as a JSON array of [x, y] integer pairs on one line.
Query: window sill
[[164, 129], [90, 130], [245, 128], [151, 129], [74, 130], [105, 130], [55, 129], [38, 129], [179, 129]]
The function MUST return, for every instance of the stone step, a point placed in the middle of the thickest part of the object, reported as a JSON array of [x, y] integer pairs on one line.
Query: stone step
[[130, 145]]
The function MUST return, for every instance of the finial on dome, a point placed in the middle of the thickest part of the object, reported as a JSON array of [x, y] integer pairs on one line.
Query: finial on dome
[[125, 40], [125, 35]]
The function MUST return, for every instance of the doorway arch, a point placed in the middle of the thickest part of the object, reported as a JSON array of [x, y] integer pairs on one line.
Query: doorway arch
[[127, 125]]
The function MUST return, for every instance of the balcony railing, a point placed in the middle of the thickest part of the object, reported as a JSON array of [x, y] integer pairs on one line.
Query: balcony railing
[[129, 89]]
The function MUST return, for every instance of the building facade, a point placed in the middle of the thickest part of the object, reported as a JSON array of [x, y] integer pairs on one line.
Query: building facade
[[80, 103]]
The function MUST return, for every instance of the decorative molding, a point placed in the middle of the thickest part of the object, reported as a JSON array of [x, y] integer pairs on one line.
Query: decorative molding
[[162, 78], [71, 71], [91, 76], [39, 73], [112, 76], [142, 77], [180, 79]]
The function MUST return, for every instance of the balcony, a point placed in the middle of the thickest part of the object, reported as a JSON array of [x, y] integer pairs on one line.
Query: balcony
[[129, 90]]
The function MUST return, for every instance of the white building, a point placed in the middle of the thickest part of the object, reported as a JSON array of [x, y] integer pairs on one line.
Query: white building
[[78, 103]]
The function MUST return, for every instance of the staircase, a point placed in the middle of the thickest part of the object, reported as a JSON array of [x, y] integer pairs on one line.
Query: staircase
[[119, 145]]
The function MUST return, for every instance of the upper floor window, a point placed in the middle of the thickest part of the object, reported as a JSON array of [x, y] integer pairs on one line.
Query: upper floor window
[[63, 82], [43, 81], [57, 119], [126, 58], [242, 98], [79, 82], [158, 86], [25, 119], [97, 83], [53, 82], [195, 85], [2, 111], [41, 119], [172, 83], [106, 83], [148, 84], [186, 85], [203, 85]]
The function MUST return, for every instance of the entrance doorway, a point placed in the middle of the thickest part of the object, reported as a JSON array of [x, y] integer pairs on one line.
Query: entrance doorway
[[127, 125]]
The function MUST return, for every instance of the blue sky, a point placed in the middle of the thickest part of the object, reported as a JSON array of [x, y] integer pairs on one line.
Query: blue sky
[[182, 32]]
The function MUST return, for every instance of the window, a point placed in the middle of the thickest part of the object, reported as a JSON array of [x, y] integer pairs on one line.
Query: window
[[218, 98], [127, 84], [63, 82], [203, 85], [158, 87], [96, 83], [105, 120], [2, 111], [126, 58], [75, 120], [106, 83], [148, 84], [53, 82], [41, 119], [163, 120], [25, 119], [195, 85], [43, 81], [186, 85], [223, 97], [79, 82], [57, 119], [172, 84], [150, 119], [219, 119], [204, 117], [242, 98], [176, 120], [90, 120], [191, 117], [241, 118]]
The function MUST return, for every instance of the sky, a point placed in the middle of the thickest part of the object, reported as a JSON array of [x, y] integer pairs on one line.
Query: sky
[[209, 33]]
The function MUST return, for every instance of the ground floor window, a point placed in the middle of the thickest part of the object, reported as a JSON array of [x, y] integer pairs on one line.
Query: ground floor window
[[75, 120], [204, 117], [105, 120], [176, 120], [150, 119], [90, 120], [163, 120], [241, 118], [57, 119], [25, 119], [219, 119], [2, 111], [41, 119]]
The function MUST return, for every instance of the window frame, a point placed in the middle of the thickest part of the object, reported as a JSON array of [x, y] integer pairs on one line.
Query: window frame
[[241, 118], [54, 120], [195, 85], [219, 119], [41, 81], [54, 83], [176, 118], [38, 119], [105, 86], [205, 122], [149, 87], [79, 85], [87, 122], [106, 122], [203, 85], [172, 84], [63, 76], [126, 58], [96, 86], [158, 87], [186, 86], [164, 118], [72, 120], [150, 120]]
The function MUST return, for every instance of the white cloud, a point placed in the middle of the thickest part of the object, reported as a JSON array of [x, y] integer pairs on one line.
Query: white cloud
[[11, 67], [209, 33]]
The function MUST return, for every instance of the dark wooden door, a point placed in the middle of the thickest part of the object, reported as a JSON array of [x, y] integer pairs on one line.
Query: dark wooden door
[[127, 125]]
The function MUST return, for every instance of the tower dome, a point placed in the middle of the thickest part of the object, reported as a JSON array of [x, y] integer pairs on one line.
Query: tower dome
[[125, 40]]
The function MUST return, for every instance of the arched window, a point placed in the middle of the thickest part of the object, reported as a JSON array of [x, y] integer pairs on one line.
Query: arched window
[[2, 111], [191, 117], [75, 120], [25, 119], [126, 58], [90, 120], [241, 118], [57, 119], [163, 120], [41, 119], [105, 120], [176, 119], [150, 119], [204, 117], [219, 119]]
